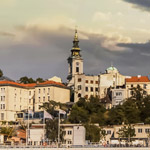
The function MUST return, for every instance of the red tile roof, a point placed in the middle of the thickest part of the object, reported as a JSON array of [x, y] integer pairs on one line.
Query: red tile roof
[[51, 82], [17, 84], [21, 133], [31, 85], [138, 79]]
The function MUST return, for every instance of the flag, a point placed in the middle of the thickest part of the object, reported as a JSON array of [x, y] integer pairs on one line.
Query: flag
[[30, 113], [47, 115], [62, 111]]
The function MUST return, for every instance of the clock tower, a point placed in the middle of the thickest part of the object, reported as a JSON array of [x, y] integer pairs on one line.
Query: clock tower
[[75, 60]]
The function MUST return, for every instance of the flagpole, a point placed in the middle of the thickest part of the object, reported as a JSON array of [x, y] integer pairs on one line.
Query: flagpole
[[43, 127], [58, 128]]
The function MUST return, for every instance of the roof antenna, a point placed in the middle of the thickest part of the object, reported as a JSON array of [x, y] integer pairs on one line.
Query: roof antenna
[[112, 64]]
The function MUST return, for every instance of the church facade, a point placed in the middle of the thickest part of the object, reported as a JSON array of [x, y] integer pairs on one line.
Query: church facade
[[87, 85]]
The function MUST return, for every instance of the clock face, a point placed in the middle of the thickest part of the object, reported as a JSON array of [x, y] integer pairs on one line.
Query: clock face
[[77, 63]]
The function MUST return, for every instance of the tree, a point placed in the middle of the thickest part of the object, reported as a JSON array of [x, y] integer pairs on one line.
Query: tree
[[52, 129], [127, 131], [9, 131], [116, 115], [92, 133], [88, 111], [26, 80], [40, 80], [1, 73]]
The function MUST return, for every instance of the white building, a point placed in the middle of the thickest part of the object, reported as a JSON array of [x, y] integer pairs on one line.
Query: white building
[[36, 135], [74, 134]]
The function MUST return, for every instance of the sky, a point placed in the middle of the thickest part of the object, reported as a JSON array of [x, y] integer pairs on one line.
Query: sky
[[36, 36]]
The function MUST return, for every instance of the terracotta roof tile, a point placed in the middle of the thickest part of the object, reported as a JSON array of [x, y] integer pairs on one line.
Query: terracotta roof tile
[[51, 82], [17, 84], [138, 79], [32, 84]]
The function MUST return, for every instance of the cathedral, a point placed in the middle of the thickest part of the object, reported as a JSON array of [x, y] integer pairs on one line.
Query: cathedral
[[87, 85]]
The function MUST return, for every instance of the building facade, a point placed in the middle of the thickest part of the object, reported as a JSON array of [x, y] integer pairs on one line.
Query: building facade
[[86, 85], [74, 134], [16, 97]]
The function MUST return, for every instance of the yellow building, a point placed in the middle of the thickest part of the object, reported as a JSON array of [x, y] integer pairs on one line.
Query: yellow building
[[15, 97]]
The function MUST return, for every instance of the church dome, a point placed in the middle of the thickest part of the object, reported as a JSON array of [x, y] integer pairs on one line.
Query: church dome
[[111, 69]]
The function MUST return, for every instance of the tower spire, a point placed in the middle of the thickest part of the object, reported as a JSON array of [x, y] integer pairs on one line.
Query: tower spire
[[76, 34], [76, 49]]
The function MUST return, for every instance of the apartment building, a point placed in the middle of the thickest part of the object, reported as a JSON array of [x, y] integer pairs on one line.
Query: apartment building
[[16, 97], [134, 81], [51, 90]]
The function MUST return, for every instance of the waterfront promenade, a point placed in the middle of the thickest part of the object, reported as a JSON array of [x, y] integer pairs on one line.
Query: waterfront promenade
[[102, 148]]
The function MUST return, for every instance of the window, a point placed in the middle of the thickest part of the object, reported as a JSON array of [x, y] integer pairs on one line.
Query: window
[[79, 87], [147, 130], [2, 98], [131, 85], [144, 92], [91, 89], [29, 93], [79, 95], [44, 90], [139, 130], [118, 94], [69, 142], [29, 100], [44, 99], [79, 79], [108, 131], [77, 69], [91, 81], [39, 90], [2, 90], [48, 98], [39, 99], [144, 86], [96, 89], [2, 116], [86, 89], [96, 82], [69, 132], [48, 91], [86, 81]]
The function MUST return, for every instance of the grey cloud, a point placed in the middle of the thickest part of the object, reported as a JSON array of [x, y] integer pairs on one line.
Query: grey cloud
[[141, 4], [44, 53], [6, 34]]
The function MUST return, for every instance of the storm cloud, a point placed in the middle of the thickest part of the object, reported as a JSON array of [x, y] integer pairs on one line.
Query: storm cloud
[[38, 52], [141, 4]]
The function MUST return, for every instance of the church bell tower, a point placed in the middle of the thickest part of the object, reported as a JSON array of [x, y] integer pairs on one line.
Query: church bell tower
[[75, 60]]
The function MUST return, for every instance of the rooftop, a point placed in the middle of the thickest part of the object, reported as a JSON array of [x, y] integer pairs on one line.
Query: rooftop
[[138, 79], [31, 85]]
